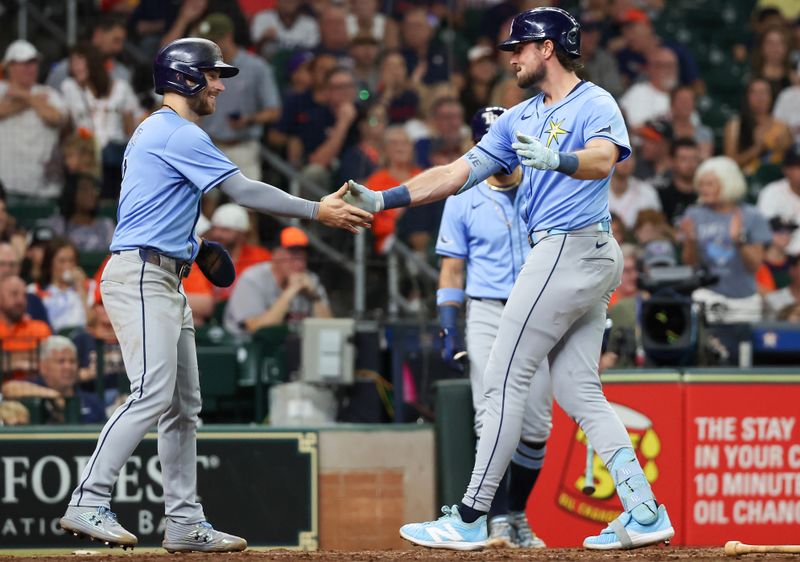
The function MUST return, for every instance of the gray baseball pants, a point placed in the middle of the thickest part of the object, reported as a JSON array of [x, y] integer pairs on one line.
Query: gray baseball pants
[[153, 322], [556, 311], [483, 323]]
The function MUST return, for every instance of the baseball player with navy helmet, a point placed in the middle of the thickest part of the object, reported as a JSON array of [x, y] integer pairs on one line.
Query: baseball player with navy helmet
[[568, 139], [475, 228], [168, 165]]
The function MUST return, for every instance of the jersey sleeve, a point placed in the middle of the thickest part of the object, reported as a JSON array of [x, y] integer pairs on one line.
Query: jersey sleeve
[[190, 151], [452, 240], [496, 143], [604, 121]]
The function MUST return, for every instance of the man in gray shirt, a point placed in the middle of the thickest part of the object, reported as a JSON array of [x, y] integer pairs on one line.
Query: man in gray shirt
[[281, 291], [252, 100]]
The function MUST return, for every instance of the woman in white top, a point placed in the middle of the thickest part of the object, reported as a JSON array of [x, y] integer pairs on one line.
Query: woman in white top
[[63, 286], [101, 105]]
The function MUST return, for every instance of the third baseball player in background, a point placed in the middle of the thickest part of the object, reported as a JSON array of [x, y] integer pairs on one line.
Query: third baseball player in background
[[568, 139], [476, 228]]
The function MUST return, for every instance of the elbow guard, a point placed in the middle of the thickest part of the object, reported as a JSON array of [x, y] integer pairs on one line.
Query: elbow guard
[[481, 166]]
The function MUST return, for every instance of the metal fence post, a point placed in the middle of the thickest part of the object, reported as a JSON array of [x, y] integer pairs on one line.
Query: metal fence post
[[393, 285], [72, 22], [359, 275], [22, 19]]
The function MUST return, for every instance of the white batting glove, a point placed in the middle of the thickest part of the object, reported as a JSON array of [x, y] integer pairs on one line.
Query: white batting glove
[[364, 198], [533, 153]]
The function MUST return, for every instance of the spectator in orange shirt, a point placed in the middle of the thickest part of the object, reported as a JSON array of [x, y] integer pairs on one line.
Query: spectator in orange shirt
[[398, 168], [19, 334], [230, 226]]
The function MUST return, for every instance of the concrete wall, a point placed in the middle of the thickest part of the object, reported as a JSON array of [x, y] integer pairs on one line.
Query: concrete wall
[[371, 482]]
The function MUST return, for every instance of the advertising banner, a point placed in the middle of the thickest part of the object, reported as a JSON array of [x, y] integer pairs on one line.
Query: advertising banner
[[650, 407], [261, 485], [742, 477]]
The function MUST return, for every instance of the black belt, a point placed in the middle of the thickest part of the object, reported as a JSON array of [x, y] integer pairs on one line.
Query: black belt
[[181, 268], [487, 299]]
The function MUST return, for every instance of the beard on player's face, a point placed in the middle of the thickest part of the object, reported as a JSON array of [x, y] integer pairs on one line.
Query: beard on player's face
[[202, 103], [532, 70], [531, 78]]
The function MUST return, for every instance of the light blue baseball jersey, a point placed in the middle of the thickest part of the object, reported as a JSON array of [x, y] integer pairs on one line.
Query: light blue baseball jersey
[[169, 164], [482, 226], [552, 199]]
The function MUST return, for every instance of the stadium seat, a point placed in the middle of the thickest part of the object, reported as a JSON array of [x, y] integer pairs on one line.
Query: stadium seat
[[219, 374], [91, 261], [28, 214], [108, 209]]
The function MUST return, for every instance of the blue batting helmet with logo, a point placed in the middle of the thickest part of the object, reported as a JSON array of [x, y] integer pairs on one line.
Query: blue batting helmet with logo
[[483, 119], [545, 23], [179, 65]]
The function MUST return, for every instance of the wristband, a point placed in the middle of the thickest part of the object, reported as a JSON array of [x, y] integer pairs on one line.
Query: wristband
[[449, 294], [395, 197], [567, 163]]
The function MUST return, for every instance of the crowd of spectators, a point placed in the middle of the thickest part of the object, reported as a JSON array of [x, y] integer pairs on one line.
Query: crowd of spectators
[[356, 89]]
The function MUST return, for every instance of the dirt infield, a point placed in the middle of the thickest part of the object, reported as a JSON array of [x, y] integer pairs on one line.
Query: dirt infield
[[419, 554]]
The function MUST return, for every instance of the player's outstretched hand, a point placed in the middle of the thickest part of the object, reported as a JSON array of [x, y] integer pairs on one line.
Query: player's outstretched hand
[[335, 212], [533, 153], [363, 197]]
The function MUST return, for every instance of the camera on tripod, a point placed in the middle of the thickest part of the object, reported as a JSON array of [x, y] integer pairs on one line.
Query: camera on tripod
[[671, 324]]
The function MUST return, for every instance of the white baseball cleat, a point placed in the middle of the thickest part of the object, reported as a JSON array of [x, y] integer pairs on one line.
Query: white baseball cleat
[[449, 531], [97, 523], [200, 537], [625, 532]]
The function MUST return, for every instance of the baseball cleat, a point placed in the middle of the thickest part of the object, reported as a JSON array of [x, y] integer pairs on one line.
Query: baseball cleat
[[625, 532], [200, 537], [97, 523], [526, 538], [501, 533], [449, 531]]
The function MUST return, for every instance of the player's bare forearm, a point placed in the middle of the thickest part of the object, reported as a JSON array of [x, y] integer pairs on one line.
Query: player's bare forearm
[[596, 160], [438, 183], [451, 274]]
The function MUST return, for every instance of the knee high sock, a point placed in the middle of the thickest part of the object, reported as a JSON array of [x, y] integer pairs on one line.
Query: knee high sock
[[526, 464]]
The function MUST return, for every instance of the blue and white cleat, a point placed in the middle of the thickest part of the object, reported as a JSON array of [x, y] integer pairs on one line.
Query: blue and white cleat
[[625, 532], [449, 531]]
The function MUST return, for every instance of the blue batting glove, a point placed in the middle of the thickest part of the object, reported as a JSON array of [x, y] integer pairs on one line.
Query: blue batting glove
[[453, 352], [533, 153], [362, 197]]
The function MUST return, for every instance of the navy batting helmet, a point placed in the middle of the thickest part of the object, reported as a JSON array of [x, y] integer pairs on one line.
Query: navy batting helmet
[[483, 119], [184, 60], [545, 23]]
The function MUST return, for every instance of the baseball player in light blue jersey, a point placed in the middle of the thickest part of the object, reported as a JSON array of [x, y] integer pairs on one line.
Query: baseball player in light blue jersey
[[476, 228], [568, 139], [169, 164]]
